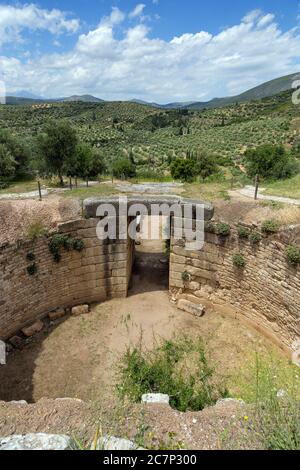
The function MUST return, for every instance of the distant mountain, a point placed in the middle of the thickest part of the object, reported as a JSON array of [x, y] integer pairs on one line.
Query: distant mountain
[[83, 98], [28, 98], [266, 90], [24, 94], [164, 106]]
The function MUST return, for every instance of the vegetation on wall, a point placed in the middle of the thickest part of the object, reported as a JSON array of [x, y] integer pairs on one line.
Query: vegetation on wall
[[60, 241], [293, 254], [239, 260], [270, 226]]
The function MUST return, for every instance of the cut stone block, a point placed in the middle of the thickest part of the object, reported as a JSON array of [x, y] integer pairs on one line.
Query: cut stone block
[[80, 310], [195, 309], [17, 342], [56, 314], [33, 329], [158, 398]]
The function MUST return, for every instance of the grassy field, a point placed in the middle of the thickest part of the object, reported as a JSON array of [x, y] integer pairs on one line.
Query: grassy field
[[287, 188]]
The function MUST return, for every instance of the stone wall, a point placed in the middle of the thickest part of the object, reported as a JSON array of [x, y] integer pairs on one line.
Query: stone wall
[[266, 292], [95, 274]]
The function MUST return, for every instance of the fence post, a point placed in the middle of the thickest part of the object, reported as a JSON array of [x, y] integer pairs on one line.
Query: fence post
[[256, 187]]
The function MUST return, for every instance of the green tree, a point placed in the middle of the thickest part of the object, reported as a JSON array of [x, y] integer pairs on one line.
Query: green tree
[[184, 169], [123, 168], [206, 165], [19, 151], [58, 147], [270, 162], [7, 163]]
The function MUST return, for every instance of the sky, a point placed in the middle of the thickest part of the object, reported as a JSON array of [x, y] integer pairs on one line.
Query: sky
[[154, 50]]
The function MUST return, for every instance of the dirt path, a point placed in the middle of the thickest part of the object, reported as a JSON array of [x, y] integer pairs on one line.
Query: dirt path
[[249, 192]]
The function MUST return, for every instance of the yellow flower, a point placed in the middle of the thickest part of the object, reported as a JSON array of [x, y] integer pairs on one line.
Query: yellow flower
[[246, 418]]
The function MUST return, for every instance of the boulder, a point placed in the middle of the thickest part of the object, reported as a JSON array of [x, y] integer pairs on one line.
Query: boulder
[[197, 310], [80, 310], [33, 329], [36, 442], [158, 398], [115, 443]]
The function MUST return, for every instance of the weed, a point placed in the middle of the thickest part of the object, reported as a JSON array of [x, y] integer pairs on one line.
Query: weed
[[178, 368]]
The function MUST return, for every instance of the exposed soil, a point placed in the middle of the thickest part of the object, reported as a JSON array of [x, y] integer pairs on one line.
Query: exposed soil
[[18, 216]]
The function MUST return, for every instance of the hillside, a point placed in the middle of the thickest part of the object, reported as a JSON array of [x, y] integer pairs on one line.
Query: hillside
[[152, 137], [265, 90]]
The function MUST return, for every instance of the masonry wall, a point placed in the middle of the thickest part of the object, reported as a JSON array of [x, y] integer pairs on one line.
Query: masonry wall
[[97, 273], [266, 292]]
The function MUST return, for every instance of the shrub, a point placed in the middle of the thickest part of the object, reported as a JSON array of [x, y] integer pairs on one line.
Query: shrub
[[123, 168], [243, 232], [37, 229], [293, 255], [185, 276], [270, 226], [239, 260], [178, 368], [222, 229], [254, 237], [61, 241], [32, 269], [184, 169]]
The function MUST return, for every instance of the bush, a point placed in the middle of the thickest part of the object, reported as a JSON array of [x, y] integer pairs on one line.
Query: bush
[[178, 368], [269, 161], [123, 168], [270, 226], [185, 276], [293, 255], [60, 241], [254, 237], [239, 260], [243, 232], [222, 229], [37, 229], [184, 169]]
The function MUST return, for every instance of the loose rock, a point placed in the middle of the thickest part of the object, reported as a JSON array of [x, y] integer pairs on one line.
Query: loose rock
[[158, 398], [195, 309], [80, 310], [33, 329], [36, 442]]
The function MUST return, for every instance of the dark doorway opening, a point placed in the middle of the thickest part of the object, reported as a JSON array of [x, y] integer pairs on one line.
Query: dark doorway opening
[[150, 270]]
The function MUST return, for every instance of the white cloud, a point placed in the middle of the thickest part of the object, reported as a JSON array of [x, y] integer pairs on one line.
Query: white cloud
[[188, 67], [137, 11], [15, 19]]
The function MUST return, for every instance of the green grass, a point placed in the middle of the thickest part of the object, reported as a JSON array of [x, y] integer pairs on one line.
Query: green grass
[[178, 368], [286, 188], [101, 190]]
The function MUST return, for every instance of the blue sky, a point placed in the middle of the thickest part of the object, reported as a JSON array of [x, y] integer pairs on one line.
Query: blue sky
[[160, 50]]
